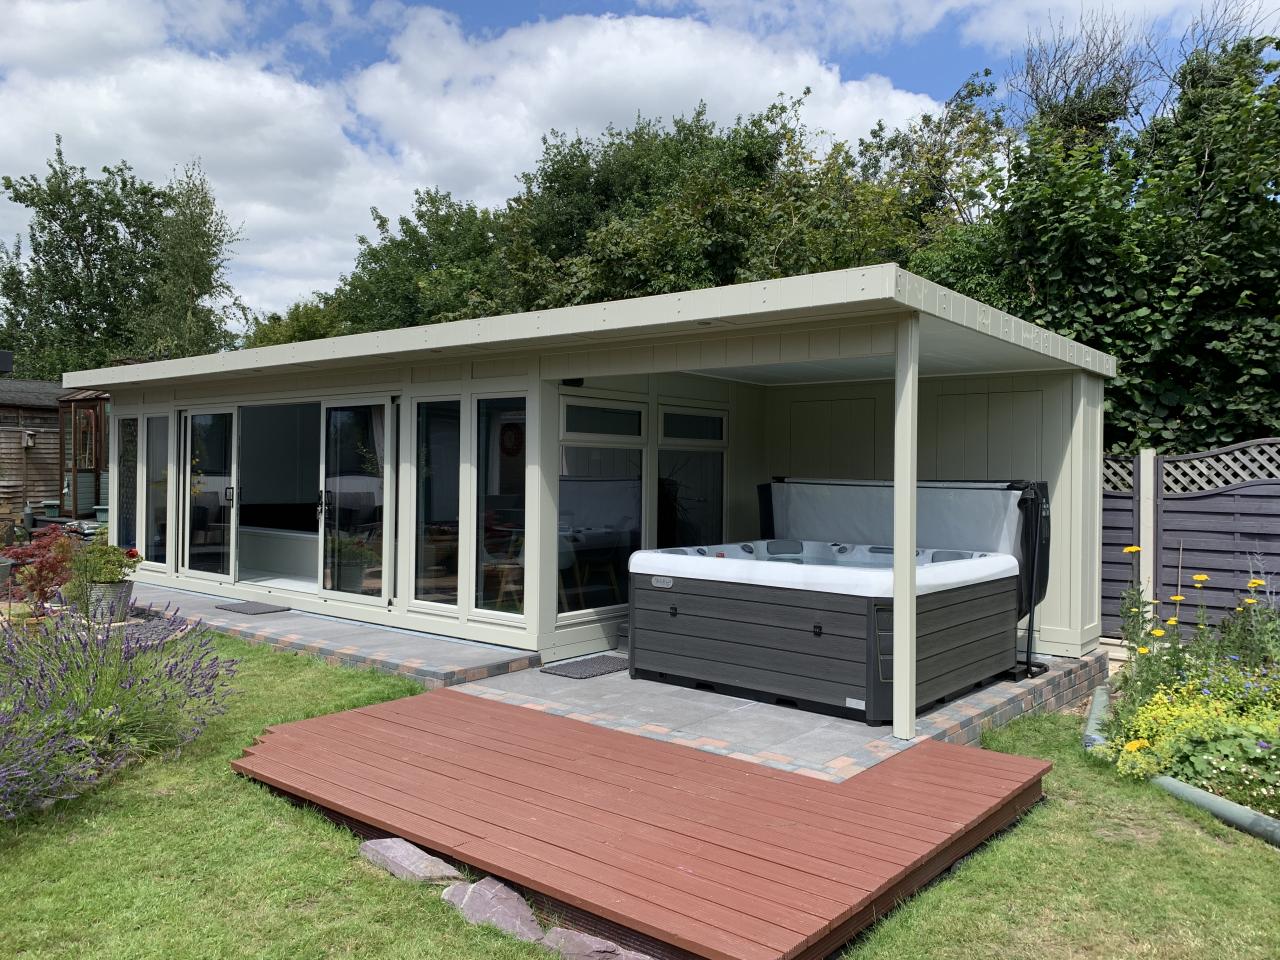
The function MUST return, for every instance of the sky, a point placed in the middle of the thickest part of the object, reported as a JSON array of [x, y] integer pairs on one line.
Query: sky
[[307, 113]]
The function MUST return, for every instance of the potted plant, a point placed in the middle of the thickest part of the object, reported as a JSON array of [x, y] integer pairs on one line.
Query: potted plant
[[43, 565], [351, 558], [99, 585]]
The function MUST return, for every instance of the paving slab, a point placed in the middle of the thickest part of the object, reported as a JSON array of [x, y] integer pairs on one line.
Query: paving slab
[[783, 737], [434, 659]]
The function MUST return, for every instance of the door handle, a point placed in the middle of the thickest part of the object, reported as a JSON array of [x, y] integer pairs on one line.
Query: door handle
[[229, 494]]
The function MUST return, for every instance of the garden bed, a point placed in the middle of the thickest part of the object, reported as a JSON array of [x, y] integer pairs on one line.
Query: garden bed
[[1200, 702], [80, 700]]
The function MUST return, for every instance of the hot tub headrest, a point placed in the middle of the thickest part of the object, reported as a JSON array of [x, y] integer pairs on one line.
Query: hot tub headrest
[[993, 517]]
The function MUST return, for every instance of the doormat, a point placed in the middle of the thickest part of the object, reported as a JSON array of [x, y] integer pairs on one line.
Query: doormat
[[251, 608], [588, 667]]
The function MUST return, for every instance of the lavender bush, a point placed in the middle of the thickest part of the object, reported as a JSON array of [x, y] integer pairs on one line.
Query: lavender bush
[[79, 699]]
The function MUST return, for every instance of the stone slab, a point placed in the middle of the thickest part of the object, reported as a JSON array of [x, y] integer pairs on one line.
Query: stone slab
[[493, 902], [402, 859], [574, 945]]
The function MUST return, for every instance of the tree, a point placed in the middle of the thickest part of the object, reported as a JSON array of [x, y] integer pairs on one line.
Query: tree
[[192, 306], [1159, 246], [114, 268], [304, 320]]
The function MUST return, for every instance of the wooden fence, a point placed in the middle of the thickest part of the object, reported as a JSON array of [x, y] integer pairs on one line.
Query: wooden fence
[[1215, 513]]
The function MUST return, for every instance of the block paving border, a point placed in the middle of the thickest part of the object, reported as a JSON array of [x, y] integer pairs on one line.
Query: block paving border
[[962, 721]]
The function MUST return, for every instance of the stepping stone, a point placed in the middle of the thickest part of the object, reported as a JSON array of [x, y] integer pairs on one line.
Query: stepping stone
[[402, 859], [490, 901], [574, 945]]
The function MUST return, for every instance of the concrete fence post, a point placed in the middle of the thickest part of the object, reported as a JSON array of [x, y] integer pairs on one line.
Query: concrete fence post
[[1145, 490]]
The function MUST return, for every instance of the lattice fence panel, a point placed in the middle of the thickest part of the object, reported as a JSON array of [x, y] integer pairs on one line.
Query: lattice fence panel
[[1259, 460], [1117, 474]]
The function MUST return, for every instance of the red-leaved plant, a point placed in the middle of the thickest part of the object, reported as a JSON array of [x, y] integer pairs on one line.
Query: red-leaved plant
[[44, 565]]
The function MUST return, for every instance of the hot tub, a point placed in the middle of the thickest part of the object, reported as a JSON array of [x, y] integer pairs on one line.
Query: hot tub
[[809, 621]]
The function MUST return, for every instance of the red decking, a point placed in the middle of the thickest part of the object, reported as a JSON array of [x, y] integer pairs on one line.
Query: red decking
[[714, 856]]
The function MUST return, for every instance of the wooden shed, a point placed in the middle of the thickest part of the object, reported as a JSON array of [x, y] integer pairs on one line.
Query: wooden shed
[[84, 473], [28, 444]]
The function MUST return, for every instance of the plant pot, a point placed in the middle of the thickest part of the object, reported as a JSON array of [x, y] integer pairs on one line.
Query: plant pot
[[110, 599], [101, 512], [351, 576]]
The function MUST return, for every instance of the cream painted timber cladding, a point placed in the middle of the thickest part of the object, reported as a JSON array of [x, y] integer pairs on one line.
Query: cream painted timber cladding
[[802, 369]]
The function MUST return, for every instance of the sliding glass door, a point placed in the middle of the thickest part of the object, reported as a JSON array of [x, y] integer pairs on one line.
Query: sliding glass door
[[355, 490], [209, 465]]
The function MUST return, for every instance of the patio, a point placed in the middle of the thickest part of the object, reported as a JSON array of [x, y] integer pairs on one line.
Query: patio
[[819, 746], [816, 745]]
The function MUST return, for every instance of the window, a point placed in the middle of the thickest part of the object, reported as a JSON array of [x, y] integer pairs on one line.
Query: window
[[600, 508], [588, 419], [690, 497], [157, 489], [438, 443], [683, 425], [127, 512], [500, 459], [691, 477], [355, 460]]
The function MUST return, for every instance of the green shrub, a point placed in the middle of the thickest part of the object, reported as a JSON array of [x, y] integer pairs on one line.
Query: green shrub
[[1201, 703]]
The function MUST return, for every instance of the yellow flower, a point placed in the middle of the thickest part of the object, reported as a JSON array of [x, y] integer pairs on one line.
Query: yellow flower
[[1200, 577], [1197, 585], [1239, 609], [1133, 746], [1157, 632], [1133, 549], [1250, 599], [1177, 598], [1172, 621], [1255, 582], [1144, 649]]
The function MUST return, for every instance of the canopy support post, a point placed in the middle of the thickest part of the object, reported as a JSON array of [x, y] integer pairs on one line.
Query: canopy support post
[[906, 401]]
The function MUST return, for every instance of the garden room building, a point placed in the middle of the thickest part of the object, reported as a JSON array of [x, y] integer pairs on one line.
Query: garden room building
[[489, 479]]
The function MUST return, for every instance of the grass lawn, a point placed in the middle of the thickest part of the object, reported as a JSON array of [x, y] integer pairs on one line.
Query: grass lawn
[[179, 858]]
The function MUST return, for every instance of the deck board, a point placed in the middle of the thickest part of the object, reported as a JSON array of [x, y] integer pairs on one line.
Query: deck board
[[716, 857]]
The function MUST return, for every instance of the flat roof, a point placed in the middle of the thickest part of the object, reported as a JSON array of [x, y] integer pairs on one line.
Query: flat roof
[[959, 333]]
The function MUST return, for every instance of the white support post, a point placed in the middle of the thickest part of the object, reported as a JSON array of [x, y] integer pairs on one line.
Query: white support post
[[1146, 491], [906, 393]]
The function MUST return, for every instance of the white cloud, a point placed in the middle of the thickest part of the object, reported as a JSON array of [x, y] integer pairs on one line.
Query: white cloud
[[472, 111], [996, 25], [300, 162]]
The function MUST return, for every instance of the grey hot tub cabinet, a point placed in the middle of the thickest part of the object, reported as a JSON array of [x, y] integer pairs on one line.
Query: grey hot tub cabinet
[[823, 651]]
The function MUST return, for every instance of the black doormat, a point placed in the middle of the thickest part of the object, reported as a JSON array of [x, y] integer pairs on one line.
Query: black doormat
[[251, 608], [588, 667]]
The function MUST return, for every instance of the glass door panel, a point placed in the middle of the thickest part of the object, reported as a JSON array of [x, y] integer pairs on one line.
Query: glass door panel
[[353, 495], [210, 470]]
